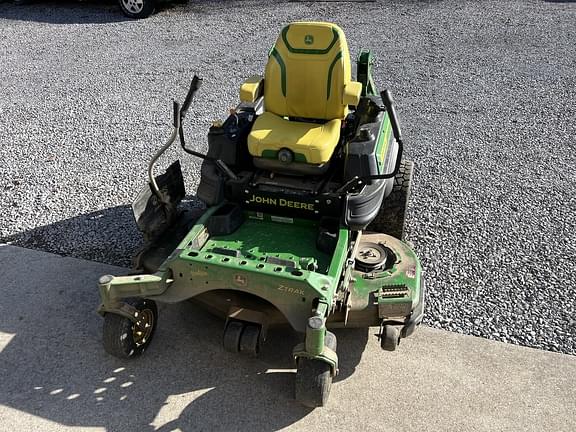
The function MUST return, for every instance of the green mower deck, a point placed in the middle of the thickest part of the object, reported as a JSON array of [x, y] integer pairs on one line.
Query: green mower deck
[[276, 259]]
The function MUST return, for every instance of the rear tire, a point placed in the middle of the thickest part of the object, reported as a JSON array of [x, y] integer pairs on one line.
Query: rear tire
[[137, 8], [313, 382], [392, 215]]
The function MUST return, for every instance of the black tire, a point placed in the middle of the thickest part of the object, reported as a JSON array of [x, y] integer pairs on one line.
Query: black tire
[[392, 215], [137, 8], [250, 340], [313, 382], [232, 336], [390, 338], [125, 339]]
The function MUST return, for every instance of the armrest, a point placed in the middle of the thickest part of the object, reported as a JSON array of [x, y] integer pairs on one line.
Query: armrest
[[351, 94], [252, 89]]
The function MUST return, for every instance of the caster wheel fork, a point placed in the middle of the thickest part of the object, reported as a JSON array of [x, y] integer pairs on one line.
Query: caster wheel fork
[[314, 377]]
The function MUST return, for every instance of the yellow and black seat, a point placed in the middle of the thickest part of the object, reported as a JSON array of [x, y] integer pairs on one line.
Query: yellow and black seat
[[307, 89]]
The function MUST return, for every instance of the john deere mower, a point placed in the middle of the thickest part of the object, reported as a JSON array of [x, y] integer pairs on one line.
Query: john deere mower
[[305, 191]]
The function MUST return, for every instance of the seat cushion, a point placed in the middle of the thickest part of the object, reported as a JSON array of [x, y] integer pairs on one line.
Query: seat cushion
[[311, 143]]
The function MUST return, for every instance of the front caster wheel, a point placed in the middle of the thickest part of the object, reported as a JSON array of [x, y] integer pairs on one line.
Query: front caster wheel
[[313, 382], [232, 335], [390, 338], [242, 337], [124, 338], [250, 340]]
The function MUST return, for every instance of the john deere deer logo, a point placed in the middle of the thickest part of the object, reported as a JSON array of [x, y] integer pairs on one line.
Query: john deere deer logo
[[308, 39]]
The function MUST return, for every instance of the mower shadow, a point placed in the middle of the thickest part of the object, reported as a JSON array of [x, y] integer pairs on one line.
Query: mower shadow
[[52, 363], [109, 236]]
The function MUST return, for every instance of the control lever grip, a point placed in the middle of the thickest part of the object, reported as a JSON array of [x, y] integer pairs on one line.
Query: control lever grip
[[194, 86], [386, 96], [176, 108]]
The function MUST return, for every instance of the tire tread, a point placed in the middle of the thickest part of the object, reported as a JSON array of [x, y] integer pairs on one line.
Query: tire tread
[[391, 217]]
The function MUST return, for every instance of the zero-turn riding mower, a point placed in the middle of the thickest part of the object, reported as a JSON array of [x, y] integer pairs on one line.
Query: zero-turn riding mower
[[305, 194]]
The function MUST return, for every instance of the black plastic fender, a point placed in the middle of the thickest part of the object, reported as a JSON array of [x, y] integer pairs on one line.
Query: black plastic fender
[[361, 208]]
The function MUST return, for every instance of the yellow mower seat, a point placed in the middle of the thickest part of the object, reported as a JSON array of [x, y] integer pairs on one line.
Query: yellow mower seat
[[308, 76], [310, 142]]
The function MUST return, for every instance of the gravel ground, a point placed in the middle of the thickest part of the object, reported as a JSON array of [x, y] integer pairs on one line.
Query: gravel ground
[[485, 90]]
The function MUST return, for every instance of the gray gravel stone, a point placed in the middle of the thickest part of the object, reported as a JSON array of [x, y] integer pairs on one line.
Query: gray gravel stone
[[485, 91]]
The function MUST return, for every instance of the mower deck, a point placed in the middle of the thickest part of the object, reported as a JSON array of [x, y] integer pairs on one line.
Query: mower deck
[[277, 261]]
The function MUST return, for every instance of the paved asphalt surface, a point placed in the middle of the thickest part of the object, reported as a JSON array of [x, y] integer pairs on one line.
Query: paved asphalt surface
[[55, 375], [485, 91]]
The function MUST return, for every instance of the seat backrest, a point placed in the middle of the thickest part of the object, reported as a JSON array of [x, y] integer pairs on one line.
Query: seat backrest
[[306, 72]]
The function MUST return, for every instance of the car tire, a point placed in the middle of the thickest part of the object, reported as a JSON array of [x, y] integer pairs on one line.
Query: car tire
[[137, 8]]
